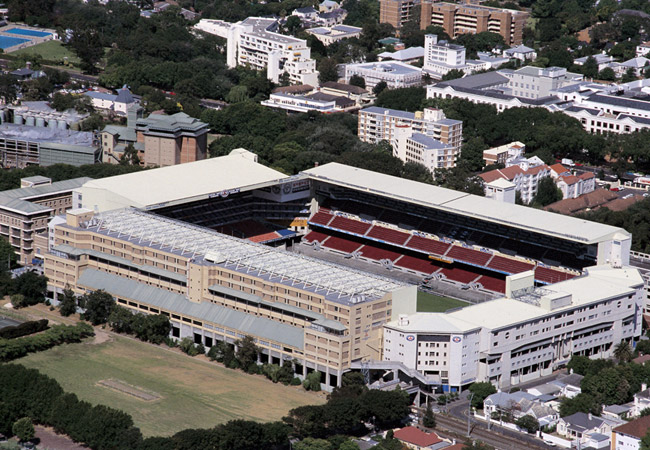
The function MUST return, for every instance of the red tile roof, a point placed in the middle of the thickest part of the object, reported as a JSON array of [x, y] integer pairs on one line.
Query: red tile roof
[[417, 437], [586, 176], [569, 179], [559, 168], [536, 169], [637, 428], [511, 172], [490, 176], [641, 359]]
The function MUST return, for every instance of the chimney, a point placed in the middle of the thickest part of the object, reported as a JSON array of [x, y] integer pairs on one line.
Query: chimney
[[644, 386], [589, 416]]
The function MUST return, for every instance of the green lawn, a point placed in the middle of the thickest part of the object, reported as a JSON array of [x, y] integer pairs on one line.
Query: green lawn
[[50, 51], [193, 394], [428, 302]]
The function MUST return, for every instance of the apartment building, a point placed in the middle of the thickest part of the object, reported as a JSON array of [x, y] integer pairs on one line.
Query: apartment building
[[503, 153], [461, 18], [215, 287], [25, 212], [441, 57], [526, 179], [394, 74], [255, 42], [171, 140], [396, 12], [378, 124], [422, 149], [525, 335]]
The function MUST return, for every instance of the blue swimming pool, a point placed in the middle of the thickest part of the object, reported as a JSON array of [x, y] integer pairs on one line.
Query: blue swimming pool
[[8, 41], [26, 32]]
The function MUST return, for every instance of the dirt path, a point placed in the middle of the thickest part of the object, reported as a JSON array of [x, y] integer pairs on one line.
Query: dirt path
[[52, 441]]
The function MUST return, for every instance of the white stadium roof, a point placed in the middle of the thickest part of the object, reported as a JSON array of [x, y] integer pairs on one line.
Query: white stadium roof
[[182, 182], [535, 220]]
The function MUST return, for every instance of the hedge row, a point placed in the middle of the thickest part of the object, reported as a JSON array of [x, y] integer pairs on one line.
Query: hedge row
[[58, 334], [23, 329]]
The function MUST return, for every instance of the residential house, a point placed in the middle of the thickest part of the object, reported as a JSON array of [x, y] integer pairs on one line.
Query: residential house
[[328, 6], [416, 439], [119, 104], [618, 411], [569, 385], [504, 153], [307, 14], [580, 425], [638, 64], [360, 95], [642, 49], [602, 59], [526, 180], [522, 53], [641, 400], [628, 436]]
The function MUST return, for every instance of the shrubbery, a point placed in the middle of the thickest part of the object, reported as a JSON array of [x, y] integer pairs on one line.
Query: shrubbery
[[58, 334], [23, 329], [153, 328]]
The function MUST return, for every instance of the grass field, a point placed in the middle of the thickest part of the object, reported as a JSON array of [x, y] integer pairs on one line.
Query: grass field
[[194, 394], [428, 302], [51, 51]]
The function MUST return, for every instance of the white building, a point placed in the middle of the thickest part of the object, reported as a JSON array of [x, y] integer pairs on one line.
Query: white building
[[394, 74], [522, 53], [410, 146], [407, 55], [526, 180], [212, 26], [379, 124], [329, 35], [628, 436], [255, 42], [501, 190], [119, 104], [642, 49], [504, 153], [442, 57], [526, 334], [603, 60], [300, 103]]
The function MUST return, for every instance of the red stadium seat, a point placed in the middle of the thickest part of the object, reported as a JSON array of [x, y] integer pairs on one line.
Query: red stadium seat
[[468, 255], [388, 235], [508, 265]]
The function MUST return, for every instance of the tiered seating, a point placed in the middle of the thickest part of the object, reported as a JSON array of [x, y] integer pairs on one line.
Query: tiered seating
[[341, 244], [459, 275], [428, 245], [492, 284], [376, 253], [396, 217], [547, 275], [321, 218], [508, 265], [388, 235], [353, 226], [417, 264], [315, 236], [491, 241], [468, 255]]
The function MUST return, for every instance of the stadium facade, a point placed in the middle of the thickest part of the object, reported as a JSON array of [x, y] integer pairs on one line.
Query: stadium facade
[[222, 251]]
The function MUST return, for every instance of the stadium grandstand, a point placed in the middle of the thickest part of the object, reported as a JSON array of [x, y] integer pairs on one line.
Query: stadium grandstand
[[311, 265]]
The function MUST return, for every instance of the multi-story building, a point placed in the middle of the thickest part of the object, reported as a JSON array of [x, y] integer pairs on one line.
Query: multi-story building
[[216, 287], [535, 82], [461, 18], [394, 74], [171, 140], [629, 436], [503, 153], [396, 12], [255, 42], [526, 180], [302, 103], [525, 335], [329, 35], [422, 149], [26, 212], [442, 57], [378, 124]]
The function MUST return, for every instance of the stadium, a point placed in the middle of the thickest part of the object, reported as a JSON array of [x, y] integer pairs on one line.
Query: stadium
[[314, 265]]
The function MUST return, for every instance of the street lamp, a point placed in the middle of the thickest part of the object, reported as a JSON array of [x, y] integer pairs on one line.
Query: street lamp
[[469, 412]]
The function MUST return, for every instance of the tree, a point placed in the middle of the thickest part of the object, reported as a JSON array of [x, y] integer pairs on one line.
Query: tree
[[24, 429], [453, 74], [643, 347], [8, 256], [88, 47], [62, 102], [327, 70], [580, 403], [528, 423], [99, 305], [67, 303], [187, 346], [130, 156], [358, 80], [629, 75], [8, 89], [623, 352], [547, 192], [590, 67], [429, 419], [247, 351], [645, 441], [607, 74], [32, 286], [312, 381], [293, 24], [481, 391], [379, 87]]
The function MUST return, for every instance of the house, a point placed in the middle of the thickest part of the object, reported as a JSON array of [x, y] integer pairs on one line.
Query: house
[[416, 439], [356, 93], [642, 49], [331, 18], [522, 53], [329, 35], [641, 400], [638, 64], [618, 411], [504, 153], [26, 73], [526, 180], [519, 404], [545, 389], [305, 14], [569, 385], [628, 436], [328, 6], [580, 425], [119, 104], [603, 60]]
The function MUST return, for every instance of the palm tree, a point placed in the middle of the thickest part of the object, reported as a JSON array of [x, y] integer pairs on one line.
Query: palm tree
[[623, 352]]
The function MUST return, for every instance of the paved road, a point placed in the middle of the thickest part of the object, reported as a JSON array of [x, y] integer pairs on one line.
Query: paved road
[[5, 322]]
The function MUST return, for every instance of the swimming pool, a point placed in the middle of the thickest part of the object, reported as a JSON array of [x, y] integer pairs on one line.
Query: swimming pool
[[9, 41], [26, 32]]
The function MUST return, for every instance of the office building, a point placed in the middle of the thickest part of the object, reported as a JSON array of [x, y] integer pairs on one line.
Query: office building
[[26, 212], [461, 18], [396, 12], [255, 42], [441, 57], [394, 74]]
